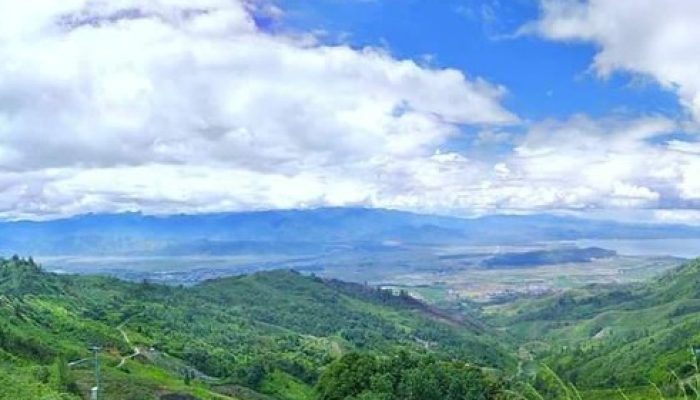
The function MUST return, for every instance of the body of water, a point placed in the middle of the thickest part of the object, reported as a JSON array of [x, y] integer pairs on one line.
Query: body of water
[[685, 248]]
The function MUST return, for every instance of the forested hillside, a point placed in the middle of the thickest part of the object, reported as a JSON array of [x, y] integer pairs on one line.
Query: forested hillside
[[640, 337], [273, 335], [283, 335]]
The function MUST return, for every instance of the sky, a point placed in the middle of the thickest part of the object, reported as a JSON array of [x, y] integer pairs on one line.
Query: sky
[[460, 107]]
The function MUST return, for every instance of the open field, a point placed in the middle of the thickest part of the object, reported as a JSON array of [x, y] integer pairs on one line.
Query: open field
[[498, 284]]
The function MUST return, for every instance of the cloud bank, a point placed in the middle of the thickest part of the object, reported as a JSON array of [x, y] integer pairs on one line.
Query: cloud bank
[[189, 105], [194, 106]]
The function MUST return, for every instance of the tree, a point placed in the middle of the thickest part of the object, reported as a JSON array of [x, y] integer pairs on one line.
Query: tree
[[63, 379]]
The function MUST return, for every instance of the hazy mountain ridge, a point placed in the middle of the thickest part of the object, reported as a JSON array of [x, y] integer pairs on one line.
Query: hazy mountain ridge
[[295, 231]]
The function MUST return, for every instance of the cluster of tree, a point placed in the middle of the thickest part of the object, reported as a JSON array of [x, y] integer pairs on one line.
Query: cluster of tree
[[404, 376]]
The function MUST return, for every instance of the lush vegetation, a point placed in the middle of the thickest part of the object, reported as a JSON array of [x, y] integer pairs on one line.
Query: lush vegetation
[[640, 338], [404, 377], [269, 335], [282, 335]]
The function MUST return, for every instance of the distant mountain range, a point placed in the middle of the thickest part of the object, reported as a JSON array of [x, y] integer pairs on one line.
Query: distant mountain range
[[300, 231]]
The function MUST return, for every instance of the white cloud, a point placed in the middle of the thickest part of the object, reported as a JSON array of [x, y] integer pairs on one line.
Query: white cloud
[[106, 105], [623, 157], [648, 37], [608, 163], [578, 163], [688, 217]]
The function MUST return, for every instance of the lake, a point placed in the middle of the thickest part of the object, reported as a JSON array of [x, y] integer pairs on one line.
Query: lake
[[685, 248]]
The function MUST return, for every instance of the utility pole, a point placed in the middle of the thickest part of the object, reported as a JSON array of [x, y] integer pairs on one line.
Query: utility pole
[[95, 391]]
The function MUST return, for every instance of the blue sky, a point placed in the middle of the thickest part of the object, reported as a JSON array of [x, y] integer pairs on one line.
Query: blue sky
[[545, 79], [452, 107]]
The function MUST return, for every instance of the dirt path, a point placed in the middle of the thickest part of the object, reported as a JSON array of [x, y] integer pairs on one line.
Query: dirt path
[[152, 355], [136, 352], [76, 362]]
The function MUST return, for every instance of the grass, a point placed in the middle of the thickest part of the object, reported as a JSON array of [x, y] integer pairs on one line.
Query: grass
[[286, 387]]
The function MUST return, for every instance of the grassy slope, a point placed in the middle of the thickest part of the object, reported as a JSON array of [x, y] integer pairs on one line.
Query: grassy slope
[[271, 332]]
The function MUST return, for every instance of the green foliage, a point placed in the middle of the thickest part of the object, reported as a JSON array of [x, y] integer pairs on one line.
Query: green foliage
[[19, 383], [63, 381], [269, 333], [617, 336], [403, 377]]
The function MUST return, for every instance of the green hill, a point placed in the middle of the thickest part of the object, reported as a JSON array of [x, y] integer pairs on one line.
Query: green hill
[[264, 336], [616, 336], [283, 335]]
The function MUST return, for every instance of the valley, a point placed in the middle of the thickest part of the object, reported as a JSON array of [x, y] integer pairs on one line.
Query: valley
[[435, 258], [430, 272]]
